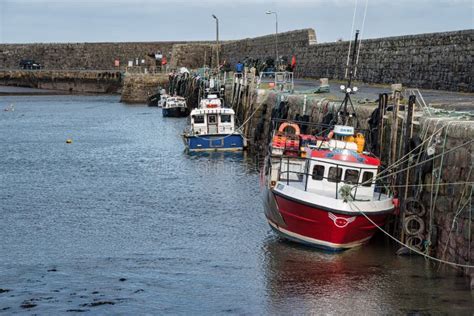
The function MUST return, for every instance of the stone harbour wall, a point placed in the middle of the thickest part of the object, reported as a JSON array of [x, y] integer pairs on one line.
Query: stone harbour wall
[[193, 55], [89, 81], [88, 56], [447, 200], [436, 61], [263, 47], [138, 87]]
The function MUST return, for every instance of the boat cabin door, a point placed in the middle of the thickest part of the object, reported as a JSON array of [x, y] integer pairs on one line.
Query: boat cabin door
[[212, 124]]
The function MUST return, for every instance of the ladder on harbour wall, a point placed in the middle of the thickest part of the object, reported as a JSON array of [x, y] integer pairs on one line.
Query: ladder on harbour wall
[[420, 101]]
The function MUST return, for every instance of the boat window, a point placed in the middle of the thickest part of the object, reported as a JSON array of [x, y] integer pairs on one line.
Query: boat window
[[318, 172], [212, 119], [351, 176], [367, 178], [335, 174], [198, 119], [225, 118]]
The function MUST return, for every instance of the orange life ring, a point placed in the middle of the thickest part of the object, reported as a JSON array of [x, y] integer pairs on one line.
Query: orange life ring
[[295, 127]]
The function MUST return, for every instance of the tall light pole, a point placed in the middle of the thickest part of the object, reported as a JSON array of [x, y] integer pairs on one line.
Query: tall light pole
[[276, 34], [217, 40]]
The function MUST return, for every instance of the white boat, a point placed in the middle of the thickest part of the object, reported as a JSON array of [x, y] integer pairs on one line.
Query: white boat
[[175, 107], [212, 128]]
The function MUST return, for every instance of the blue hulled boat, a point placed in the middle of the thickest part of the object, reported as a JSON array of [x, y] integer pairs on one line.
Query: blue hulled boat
[[212, 128]]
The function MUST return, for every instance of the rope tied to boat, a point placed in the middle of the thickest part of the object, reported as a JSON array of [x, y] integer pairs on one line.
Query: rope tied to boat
[[408, 246]]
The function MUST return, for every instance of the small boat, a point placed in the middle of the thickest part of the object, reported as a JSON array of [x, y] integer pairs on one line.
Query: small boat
[[321, 191], [212, 128], [154, 99], [162, 100], [175, 107]]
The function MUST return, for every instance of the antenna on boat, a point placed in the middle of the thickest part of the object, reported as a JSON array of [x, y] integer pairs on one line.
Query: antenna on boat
[[348, 90]]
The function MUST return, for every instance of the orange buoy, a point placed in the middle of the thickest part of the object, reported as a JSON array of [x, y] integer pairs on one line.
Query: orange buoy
[[295, 127]]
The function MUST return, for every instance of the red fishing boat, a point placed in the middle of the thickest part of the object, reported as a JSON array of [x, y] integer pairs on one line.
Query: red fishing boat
[[322, 191]]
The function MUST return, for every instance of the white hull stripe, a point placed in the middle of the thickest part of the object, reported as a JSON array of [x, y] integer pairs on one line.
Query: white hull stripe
[[218, 149], [317, 241]]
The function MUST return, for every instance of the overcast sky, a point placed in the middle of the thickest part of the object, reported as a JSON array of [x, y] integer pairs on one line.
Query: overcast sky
[[24, 21]]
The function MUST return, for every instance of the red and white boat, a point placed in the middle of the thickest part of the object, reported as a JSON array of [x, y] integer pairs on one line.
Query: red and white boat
[[322, 191], [316, 189]]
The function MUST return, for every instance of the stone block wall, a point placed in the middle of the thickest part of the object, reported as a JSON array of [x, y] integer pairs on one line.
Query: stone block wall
[[436, 61], [138, 87], [264, 46], [193, 55], [446, 198], [89, 81], [88, 56]]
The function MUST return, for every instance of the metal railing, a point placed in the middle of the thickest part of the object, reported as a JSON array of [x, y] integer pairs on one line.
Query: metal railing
[[144, 70], [282, 81], [320, 126], [336, 180]]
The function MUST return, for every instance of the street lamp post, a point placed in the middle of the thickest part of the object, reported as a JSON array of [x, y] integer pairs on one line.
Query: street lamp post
[[217, 40], [276, 34]]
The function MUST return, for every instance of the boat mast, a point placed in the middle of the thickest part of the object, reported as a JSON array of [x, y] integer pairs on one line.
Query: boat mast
[[348, 90]]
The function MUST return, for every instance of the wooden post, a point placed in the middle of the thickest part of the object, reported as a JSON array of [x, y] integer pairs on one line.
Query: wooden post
[[378, 146], [394, 132], [408, 137], [383, 107], [406, 175]]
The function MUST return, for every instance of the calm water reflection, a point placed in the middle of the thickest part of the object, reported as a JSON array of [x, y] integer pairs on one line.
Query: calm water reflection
[[124, 221]]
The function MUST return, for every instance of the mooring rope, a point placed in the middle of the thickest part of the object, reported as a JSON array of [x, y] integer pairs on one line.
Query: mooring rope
[[427, 160], [407, 246], [458, 211], [438, 179], [406, 157], [426, 184]]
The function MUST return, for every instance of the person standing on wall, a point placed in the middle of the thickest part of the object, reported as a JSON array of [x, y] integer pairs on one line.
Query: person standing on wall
[[293, 63], [239, 67]]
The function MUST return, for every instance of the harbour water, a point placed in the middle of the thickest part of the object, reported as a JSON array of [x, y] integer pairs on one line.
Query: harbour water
[[124, 221]]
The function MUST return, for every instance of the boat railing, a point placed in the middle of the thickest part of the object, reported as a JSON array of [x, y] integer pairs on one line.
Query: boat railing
[[321, 126], [306, 174]]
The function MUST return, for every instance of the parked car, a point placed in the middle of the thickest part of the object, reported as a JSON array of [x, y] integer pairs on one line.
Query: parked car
[[30, 64]]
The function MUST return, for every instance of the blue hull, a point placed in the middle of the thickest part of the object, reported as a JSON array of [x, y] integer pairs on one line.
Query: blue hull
[[216, 142]]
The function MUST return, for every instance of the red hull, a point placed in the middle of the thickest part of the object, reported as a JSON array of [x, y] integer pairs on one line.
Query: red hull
[[320, 227]]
